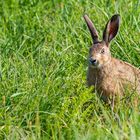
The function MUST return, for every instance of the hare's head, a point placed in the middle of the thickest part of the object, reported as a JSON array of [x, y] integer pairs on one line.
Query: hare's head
[[99, 54]]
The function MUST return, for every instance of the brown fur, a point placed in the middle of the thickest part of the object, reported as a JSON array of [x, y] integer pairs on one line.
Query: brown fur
[[110, 76]]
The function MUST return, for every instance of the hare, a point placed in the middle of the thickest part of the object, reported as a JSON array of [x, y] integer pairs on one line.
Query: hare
[[109, 76]]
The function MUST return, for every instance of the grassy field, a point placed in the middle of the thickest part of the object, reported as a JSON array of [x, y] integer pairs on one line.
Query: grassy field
[[43, 61]]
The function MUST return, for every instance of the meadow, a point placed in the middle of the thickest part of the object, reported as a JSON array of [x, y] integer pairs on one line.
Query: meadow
[[44, 47]]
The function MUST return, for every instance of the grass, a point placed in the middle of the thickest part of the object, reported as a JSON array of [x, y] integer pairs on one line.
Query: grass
[[43, 63]]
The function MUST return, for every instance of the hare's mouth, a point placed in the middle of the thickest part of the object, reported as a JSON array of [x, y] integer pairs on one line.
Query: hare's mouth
[[95, 64]]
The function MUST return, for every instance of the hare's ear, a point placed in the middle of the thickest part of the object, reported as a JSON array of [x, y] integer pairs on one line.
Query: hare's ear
[[111, 28], [94, 33]]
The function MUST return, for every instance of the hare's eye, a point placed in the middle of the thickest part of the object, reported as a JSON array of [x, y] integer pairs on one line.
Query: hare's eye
[[103, 51]]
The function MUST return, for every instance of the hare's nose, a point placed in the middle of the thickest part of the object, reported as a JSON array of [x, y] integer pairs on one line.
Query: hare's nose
[[92, 61]]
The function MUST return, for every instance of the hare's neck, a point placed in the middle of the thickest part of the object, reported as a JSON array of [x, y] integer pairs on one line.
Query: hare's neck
[[107, 63]]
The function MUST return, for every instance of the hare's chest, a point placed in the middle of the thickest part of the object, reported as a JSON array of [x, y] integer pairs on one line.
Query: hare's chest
[[106, 83], [110, 86]]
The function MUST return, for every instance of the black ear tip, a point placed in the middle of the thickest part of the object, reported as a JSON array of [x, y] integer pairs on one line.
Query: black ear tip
[[118, 15], [115, 17], [85, 16]]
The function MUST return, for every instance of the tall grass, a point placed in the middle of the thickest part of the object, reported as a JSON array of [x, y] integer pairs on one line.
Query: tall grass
[[43, 92]]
